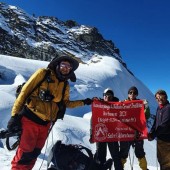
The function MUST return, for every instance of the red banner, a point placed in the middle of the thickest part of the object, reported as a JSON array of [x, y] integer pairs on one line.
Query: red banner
[[118, 121]]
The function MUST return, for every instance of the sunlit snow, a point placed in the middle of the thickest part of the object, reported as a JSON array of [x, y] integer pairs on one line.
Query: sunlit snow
[[92, 78]]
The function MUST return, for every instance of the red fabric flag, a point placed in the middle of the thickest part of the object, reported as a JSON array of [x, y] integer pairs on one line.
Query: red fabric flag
[[118, 121]]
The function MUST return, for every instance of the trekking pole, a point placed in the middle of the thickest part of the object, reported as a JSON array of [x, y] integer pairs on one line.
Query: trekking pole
[[133, 157], [156, 160], [44, 154], [52, 124], [156, 163], [132, 160]]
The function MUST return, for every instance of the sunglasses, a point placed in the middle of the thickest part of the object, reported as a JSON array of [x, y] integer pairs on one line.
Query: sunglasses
[[133, 92], [160, 97], [67, 66], [107, 94]]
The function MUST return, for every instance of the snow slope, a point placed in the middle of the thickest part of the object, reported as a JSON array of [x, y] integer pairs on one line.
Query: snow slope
[[92, 78]]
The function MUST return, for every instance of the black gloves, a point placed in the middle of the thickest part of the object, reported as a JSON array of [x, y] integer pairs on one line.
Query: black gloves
[[87, 101], [14, 123], [137, 135], [150, 137], [90, 140]]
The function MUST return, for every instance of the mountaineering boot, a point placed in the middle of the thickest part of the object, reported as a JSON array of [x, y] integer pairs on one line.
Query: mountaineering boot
[[142, 163], [123, 161]]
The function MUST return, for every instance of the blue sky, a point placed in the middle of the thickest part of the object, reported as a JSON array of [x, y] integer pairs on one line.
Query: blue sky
[[139, 28]]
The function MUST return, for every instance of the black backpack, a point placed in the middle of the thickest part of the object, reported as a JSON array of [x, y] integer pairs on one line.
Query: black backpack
[[73, 157], [19, 87]]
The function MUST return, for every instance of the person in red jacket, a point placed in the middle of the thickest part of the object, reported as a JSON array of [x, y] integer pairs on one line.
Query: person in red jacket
[[161, 130], [36, 111]]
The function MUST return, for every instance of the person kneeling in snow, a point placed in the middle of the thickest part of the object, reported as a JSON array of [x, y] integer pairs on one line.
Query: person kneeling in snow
[[36, 109]]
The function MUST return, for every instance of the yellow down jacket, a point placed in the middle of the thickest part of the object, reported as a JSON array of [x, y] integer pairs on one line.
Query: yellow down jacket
[[46, 111]]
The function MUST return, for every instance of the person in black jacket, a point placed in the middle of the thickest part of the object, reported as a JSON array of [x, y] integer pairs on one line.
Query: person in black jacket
[[161, 130], [138, 145], [101, 147]]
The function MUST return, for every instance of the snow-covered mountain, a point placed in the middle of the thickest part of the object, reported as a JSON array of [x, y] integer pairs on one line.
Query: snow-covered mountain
[[41, 38], [92, 78], [44, 37]]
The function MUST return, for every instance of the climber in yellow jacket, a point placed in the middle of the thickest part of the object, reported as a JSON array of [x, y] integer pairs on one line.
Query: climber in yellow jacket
[[34, 111]]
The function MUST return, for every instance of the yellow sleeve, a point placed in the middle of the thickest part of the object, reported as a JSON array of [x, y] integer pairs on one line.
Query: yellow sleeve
[[71, 104]]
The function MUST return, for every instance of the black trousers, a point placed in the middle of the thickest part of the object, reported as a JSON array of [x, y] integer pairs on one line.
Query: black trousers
[[138, 146], [101, 153]]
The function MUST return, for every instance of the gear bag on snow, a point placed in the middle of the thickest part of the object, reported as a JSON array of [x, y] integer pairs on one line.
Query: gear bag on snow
[[73, 157]]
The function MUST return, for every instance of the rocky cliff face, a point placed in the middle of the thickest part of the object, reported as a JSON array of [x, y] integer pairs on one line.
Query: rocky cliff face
[[42, 38]]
